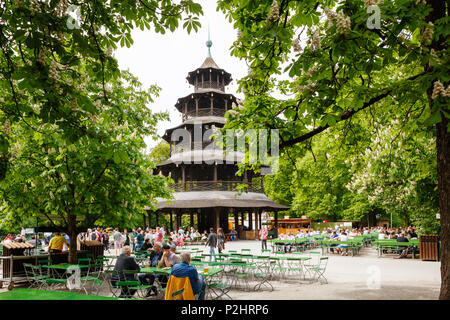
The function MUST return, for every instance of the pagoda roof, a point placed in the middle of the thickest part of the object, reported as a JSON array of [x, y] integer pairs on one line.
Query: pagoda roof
[[193, 122], [209, 63], [202, 94], [208, 66], [208, 155], [211, 199]]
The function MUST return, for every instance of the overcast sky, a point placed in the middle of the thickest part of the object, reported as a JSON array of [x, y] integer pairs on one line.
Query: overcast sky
[[165, 60]]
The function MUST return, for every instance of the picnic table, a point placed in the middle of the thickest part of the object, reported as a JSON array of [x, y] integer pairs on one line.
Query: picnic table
[[163, 271], [352, 245], [34, 294], [393, 245]]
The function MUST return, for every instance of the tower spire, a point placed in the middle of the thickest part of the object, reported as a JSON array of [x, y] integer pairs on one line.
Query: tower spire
[[209, 43]]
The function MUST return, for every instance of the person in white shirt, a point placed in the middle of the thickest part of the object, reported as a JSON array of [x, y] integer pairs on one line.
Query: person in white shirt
[[340, 248]]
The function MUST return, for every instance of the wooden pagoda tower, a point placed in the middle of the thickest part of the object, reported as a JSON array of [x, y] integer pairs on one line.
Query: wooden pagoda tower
[[205, 177]]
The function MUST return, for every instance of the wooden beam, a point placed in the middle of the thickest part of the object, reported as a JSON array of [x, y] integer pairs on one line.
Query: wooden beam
[[196, 104], [149, 220], [212, 105], [183, 177], [276, 225], [143, 216], [176, 221], [217, 218]]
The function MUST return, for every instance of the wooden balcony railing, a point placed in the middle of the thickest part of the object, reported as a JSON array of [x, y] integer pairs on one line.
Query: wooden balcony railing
[[219, 186], [204, 112]]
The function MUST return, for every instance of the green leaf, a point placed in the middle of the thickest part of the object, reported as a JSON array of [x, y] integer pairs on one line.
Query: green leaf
[[433, 119]]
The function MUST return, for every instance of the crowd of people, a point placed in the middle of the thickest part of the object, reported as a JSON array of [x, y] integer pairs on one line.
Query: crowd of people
[[343, 234]]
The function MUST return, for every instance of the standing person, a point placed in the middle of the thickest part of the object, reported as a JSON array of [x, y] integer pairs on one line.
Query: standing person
[[47, 236], [139, 240], [180, 231], [68, 241], [22, 232], [126, 237], [263, 235], [57, 243], [133, 238], [220, 240], [117, 240], [87, 236], [159, 235], [105, 239], [212, 243]]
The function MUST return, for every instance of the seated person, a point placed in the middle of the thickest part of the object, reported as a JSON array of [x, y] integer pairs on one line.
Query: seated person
[[333, 237], [180, 242], [413, 234], [125, 262], [149, 279], [233, 235], [183, 269], [147, 245], [196, 235], [340, 248], [35, 241], [404, 250], [169, 257]]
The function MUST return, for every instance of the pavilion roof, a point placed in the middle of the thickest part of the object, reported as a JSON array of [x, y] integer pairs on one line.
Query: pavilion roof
[[210, 199]]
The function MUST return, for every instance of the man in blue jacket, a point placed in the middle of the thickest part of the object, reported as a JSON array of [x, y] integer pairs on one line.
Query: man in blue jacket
[[183, 269]]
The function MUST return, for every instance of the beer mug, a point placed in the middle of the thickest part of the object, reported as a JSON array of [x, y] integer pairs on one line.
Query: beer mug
[[205, 269]]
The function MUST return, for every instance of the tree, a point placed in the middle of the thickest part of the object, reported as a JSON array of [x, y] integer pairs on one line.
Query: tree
[[103, 176], [160, 152], [45, 52], [349, 66]]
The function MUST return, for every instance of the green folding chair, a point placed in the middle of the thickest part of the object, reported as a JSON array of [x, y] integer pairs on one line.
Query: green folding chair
[[264, 275], [319, 270], [178, 295]]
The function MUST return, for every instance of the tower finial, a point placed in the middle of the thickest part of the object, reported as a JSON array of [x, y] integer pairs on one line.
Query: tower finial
[[209, 43]]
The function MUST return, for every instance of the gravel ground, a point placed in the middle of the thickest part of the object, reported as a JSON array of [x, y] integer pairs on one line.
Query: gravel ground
[[365, 276]]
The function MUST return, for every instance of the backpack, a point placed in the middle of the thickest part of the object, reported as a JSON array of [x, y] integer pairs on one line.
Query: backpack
[[93, 236]]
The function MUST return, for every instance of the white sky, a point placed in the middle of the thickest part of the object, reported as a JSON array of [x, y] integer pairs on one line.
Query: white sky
[[165, 60]]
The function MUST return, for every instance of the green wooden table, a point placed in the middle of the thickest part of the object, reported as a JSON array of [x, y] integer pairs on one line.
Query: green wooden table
[[34, 294], [164, 271], [394, 245], [65, 266]]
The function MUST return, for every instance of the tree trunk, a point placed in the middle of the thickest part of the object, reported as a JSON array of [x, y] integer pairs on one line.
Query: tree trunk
[[443, 169], [440, 10], [72, 227]]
